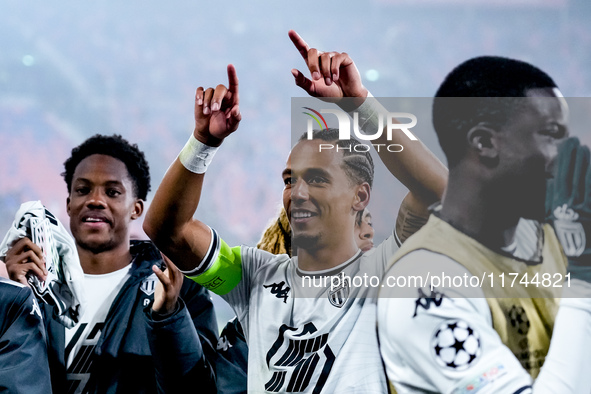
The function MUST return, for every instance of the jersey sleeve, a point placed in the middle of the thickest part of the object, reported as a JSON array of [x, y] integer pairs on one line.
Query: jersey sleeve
[[440, 341], [252, 260], [229, 271], [220, 270], [567, 365]]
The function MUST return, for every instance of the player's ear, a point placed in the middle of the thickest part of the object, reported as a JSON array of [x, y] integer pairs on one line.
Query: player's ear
[[363, 192], [68, 205], [138, 209], [482, 141]]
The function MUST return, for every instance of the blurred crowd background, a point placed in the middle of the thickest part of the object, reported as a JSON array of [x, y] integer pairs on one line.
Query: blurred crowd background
[[71, 69]]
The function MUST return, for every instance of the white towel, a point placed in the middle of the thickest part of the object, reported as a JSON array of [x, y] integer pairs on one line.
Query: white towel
[[64, 287]]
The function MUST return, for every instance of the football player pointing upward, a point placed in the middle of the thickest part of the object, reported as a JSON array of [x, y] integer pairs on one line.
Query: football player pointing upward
[[317, 340]]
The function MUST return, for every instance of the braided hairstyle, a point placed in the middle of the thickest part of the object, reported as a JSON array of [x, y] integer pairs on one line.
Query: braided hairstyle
[[358, 166], [276, 238]]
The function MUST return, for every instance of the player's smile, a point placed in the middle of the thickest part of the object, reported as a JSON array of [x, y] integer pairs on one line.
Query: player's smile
[[318, 195], [95, 221], [301, 216]]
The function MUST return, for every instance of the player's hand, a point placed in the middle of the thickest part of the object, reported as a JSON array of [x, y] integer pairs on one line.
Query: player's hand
[[24, 258], [168, 287], [568, 206], [217, 111], [333, 74]]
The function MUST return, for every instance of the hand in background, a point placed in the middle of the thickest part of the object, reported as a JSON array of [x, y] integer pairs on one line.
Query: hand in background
[[168, 288]]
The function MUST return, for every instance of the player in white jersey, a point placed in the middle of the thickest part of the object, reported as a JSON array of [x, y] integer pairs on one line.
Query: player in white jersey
[[302, 337], [231, 365], [501, 139]]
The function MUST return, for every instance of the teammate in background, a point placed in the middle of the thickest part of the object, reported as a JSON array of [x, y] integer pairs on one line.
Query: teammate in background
[[23, 346], [276, 238], [334, 330], [501, 139], [116, 347]]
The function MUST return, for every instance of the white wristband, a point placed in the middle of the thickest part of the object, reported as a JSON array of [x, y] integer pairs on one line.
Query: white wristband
[[196, 156], [369, 114]]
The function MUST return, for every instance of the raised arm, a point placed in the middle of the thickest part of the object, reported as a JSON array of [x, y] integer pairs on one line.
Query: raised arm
[[335, 75], [169, 221]]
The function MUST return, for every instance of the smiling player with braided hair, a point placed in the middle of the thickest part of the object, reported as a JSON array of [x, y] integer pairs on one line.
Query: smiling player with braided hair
[[334, 328]]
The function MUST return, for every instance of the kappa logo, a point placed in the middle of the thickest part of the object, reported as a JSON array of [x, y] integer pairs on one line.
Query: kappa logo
[[36, 309], [148, 285], [278, 290], [424, 301], [224, 344], [570, 232], [339, 295]]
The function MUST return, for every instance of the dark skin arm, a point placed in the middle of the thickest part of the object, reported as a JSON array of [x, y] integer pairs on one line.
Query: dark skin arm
[[169, 221], [335, 75], [25, 257], [168, 288]]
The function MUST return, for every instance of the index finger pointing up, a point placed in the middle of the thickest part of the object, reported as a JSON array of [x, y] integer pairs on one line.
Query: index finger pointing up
[[299, 43], [232, 79]]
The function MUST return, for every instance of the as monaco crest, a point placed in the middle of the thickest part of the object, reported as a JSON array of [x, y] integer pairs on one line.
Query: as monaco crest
[[339, 295], [570, 232], [148, 285]]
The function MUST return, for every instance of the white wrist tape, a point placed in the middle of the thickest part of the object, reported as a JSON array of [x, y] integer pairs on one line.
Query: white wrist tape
[[196, 156], [370, 115]]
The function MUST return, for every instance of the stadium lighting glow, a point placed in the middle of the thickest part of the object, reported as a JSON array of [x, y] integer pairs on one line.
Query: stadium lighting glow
[[372, 75], [28, 60]]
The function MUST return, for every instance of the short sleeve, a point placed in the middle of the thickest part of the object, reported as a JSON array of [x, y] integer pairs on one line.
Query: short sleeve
[[252, 260], [440, 341]]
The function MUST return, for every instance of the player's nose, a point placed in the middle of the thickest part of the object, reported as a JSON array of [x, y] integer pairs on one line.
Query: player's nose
[[299, 191], [96, 200]]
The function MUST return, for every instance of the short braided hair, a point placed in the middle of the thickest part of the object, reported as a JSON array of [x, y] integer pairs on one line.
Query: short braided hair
[[358, 166]]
